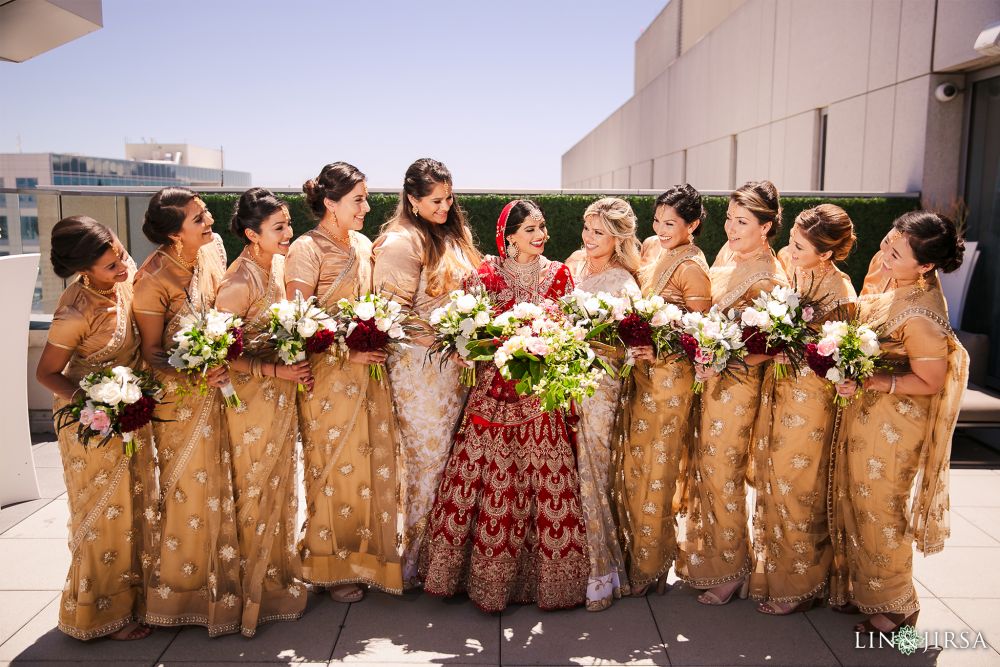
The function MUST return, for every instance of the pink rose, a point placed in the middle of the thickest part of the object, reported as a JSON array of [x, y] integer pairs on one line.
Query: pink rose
[[808, 313], [538, 347], [826, 347], [86, 416], [702, 357], [101, 422]]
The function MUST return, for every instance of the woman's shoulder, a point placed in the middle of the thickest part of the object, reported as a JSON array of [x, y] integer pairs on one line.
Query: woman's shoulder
[[74, 301]]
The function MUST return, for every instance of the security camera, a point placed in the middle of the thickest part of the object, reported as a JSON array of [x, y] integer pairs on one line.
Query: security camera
[[946, 92]]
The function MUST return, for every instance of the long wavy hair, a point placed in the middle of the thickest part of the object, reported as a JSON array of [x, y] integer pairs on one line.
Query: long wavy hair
[[619, 220], [444, 244]]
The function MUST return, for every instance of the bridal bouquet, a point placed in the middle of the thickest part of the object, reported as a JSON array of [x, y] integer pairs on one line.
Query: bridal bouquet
[[545, 355], [299, 326], [598, 314], [778, 321], [844, 351], [650, 322], [458, 322], [115, 402], [208, 339], [711, 339], [370, 323]]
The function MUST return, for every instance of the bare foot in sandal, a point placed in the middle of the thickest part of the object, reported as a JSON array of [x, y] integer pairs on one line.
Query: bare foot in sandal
[[131, 632], [347, 593]]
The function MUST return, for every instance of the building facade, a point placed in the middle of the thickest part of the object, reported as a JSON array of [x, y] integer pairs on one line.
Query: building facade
[[817, 95]]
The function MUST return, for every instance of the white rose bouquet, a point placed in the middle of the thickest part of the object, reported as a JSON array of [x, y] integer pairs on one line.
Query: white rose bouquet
[[458, 322], [207, 339], [844, 351], [711, 339], [114, 402], [370, 323], [778, 322], [650, 322], [299, 326]]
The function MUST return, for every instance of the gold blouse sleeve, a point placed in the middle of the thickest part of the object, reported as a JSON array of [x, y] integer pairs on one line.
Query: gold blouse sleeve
[[693, 282], [69, 328], [397, 268], [150, 297], [303, 262], [924, 340], [236, 294]]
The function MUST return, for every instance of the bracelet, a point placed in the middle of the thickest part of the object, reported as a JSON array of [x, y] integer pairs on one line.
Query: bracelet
[[255, 368], [892, 384]]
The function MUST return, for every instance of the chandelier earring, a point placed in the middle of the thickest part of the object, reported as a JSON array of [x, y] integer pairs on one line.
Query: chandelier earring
[[416, 213], [86, 280], [256, 249], [179, 248], [512, 250], [922, 283]]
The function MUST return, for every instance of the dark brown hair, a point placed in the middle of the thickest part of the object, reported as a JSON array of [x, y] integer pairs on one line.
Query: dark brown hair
[[334, 181], [761, 199], [440, 241], [829, 229], [165, 214], [254, 207], [686, 201], [934, 239], [77, 243]]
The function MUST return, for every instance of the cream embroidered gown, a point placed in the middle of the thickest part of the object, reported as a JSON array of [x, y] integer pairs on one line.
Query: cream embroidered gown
[[428, 397], [716, 548], [263, 431], [194, 577], [791, 453], [657, 422], [890, 481], [608, 579], [108, 493], [349, 441]]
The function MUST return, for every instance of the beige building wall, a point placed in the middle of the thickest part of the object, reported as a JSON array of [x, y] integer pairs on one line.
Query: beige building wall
[[733, 90]]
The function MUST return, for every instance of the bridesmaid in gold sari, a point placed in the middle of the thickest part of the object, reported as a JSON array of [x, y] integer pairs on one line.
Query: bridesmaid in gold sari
[[795, 428], [656, 423], [422, 254], [263, 430], [194, 575], [108, 492], [348, 429], [716, 549], [607, 263], [890, 483]]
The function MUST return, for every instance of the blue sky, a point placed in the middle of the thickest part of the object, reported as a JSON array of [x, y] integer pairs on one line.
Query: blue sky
[[498, 91]]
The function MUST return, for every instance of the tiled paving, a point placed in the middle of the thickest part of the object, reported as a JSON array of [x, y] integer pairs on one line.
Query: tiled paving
[[959, 588]]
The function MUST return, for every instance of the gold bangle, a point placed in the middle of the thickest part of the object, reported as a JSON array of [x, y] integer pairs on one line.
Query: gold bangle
[[892, 383]]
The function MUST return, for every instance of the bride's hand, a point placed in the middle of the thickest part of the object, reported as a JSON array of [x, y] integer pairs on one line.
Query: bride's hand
[[374, 357]]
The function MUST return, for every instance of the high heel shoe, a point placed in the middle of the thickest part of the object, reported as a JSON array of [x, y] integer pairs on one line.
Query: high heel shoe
[[661, 587], [711, 598], [777, 609], [898, 621]]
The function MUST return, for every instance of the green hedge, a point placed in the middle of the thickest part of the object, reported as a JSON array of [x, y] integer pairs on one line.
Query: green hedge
[[872, 217]]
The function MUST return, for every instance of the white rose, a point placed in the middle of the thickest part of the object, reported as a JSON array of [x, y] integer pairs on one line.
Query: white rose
[[216, 324], [307, 328], [436, 316], [396, 332], [106, 392], [777, 309], [467, 326], [834, 376], [365, 310], [131, 393], [383, 323], [466, 303], [591, 305], [482, 318]]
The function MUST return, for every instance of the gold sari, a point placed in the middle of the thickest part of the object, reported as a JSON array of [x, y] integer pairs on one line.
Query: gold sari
[[428, 397], [889, 485], [349, 444], [656, 424], [791, 455], [608, 579], [716, 547], [107, 491], [262, 433], [194, 577]]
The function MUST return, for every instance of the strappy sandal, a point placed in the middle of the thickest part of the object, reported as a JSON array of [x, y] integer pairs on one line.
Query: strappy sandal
[[661, 588], [347, 593], [140, 631], [772, 608], [897, 620], [711, 598]]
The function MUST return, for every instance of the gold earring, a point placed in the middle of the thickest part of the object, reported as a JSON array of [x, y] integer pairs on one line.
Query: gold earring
[[256, 249], [86, 280], [416, 214], [922, 283], [512, 250], [179, 248]]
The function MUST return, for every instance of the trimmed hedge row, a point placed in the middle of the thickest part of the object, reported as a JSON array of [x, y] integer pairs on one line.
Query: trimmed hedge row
[[872, 218]]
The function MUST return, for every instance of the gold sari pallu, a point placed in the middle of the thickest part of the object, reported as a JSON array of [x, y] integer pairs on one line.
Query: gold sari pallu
[[889, 487], [263, 431], [653, 431], [194, 576], [352, 529], [716, 548], [107, 491]]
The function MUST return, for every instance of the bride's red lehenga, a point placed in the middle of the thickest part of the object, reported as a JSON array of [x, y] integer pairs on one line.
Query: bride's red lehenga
[[507, 524]]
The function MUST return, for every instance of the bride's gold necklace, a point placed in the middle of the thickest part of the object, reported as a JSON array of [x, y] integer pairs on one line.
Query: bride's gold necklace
[[525, 276]]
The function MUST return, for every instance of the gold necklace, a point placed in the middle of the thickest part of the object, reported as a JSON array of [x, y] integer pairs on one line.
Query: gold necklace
[[589, 267], [103, 292], [249, 255], [344, 242], [817, 276], [177, 257]]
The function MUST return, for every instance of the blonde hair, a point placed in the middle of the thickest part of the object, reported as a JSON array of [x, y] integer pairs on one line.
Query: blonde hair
[[829, 229], [619, 219]]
